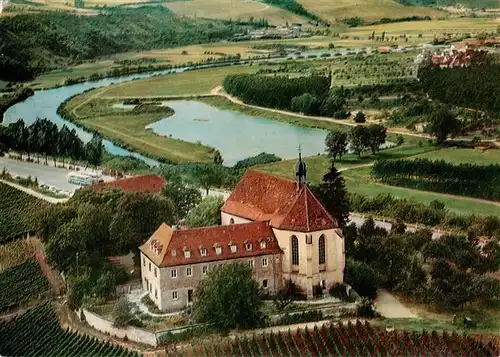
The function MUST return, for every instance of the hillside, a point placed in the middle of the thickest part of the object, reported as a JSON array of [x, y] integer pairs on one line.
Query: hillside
[[368, 10]]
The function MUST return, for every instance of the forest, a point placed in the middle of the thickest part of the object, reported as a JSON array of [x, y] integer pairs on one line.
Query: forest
[[441, 176], [34, 43], [304, 94], [476, 86]]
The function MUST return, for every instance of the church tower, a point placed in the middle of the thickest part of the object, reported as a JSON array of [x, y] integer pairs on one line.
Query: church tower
[[300, 172]]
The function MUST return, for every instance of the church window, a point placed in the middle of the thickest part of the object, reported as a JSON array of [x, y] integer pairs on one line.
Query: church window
[[149, 266], [231, 221], [156, 293], [322, 253], [156, 273], [295, 251], [143, 261]]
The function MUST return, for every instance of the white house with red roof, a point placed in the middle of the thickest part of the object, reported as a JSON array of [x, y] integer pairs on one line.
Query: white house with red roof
[[276, 226]]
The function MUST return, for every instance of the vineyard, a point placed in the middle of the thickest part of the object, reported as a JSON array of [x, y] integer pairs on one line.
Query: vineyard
[[18, 212], [16, 252], [37, 333], [22, 283], [360, 339]]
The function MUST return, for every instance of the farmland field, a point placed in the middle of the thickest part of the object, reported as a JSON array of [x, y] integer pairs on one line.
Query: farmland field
[[37, 333], [15, 253], [18, 212], [368, 10], [233, 9], [464, 156], [22, 283], [360, 339]]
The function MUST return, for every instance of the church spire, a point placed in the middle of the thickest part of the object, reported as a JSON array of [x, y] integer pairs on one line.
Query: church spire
[[300, 171]]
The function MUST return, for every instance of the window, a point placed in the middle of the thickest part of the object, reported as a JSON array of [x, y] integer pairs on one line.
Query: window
[[205, 269], [149, 266], [218, 250], [156, 273], [150, 287], [189, 272], [203, 252], [295, 251], [321, 248], [231, 221], [263, 245], [264, 262], [309, 239], [143, 261], [248, 246], [234, 248], [174, 252], [173, 273], [250, 263], [264, 283], [187, 254], [175, 295], [156, 293]]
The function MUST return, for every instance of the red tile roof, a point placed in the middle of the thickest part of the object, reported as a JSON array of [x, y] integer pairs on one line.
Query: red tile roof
[[209, 238], [144, 183], [262, 197]]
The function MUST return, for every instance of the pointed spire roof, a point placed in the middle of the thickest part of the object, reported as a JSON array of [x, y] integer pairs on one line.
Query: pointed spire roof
[[305, 214]]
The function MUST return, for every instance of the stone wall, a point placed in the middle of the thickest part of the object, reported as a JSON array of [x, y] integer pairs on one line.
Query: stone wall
[[132, 333]]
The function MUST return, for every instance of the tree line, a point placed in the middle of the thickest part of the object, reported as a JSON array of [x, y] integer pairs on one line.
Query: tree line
[[441, 176], [359, 139], [44, 137], [475, 86], [31, 42]]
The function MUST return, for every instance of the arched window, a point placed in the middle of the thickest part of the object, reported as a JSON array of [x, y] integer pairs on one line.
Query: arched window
[[322, 253], [295, 251], [231, 221]]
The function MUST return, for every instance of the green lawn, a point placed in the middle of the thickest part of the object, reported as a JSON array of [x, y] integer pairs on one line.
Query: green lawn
[[464, 156], [200, 81]]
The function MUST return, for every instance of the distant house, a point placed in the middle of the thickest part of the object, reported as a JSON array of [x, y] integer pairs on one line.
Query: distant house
[[145, 183]]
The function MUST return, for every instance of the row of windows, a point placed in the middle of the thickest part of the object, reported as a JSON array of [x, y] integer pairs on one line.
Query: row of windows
[[218, 250], [321, 250], [204, 269]]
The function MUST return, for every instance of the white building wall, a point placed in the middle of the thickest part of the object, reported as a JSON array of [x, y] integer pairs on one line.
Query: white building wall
[[226, 219], [150, 275]]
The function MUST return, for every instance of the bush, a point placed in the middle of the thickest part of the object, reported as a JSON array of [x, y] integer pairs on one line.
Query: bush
[[338, 290], [362, 277], [287, 294], [307, 316], [365, 309], [262, 158], [317, 291], [146, 300], [360, 117]]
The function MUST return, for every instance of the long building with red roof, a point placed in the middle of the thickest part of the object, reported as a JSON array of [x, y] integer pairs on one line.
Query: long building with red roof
[[276, 226], [144, 183]]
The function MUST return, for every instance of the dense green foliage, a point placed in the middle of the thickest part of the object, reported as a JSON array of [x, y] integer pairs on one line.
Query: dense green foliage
[[37, 333], [34, 43], [433, 214], [19, 212], [44, 137], [441, 176], [262, 158], [469, 3], [295, 7], [22, 283], [206, 213], [8, 100], [276, 92], [229, 298], [476, 86], [346, 340]]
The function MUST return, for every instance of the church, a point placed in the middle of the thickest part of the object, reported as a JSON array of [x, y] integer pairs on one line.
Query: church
[[276, 226]]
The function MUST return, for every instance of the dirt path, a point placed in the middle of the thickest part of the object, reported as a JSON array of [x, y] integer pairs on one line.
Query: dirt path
[[389, 306]]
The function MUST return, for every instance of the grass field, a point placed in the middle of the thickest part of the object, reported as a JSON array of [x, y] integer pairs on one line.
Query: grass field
[[233, 9], [130, 130], [368, 10], [191, 82], [464, 156]]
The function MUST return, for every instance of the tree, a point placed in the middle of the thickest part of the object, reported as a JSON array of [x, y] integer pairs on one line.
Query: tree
[[360, 117], [336, 144], [121, 312], [208, 176], [333, 103], [376, 137], [359, 139], [441, 124], [332, 194], [399, 140], [399, 227], [229, 298], [361, 277], [93, 150], [207, 213], [218, 158], [183, 198], [305, 103], [64, 142]]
